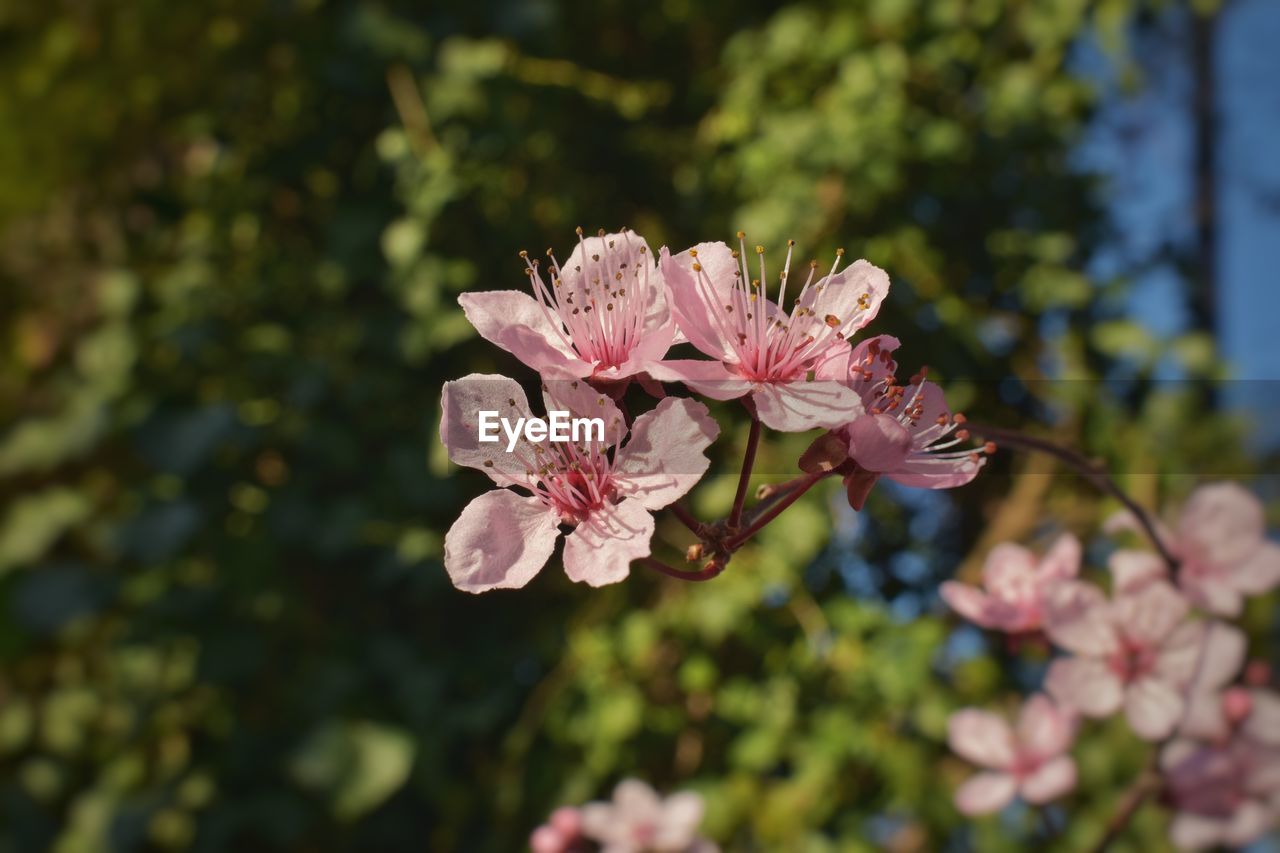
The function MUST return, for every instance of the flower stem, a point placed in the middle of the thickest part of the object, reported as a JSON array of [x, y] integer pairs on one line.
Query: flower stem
[[688, 520], [1095, 473], [748, 462], [1147, 783], [775, 509], [713, 568]]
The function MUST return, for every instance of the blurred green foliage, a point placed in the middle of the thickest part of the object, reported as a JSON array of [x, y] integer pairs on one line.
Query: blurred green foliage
[[233, 234]]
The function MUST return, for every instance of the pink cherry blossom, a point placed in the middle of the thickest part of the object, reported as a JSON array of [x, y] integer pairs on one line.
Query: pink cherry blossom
[[604, 314], [1017, 583], [1136, 651], [1030, 762], [903, 432], [638, 820], [502, 539], [1223, 794], [560, 834], [1219, 540], [786, 359]]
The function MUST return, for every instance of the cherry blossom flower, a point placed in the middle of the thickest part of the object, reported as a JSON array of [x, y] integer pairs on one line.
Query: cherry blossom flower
[[637, 820], [788, 360], [905, 433], [560, 834], [1017, 583], [1224, 794], [1135, 651], [603, 316], [1219, 540], [1030, 762], [502, 539]]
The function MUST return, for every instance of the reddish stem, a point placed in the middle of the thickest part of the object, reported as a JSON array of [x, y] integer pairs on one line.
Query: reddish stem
[[774, 510], [713, 567], [744, 479]]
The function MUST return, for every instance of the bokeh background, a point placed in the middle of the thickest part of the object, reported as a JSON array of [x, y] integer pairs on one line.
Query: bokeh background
[[231, 238]]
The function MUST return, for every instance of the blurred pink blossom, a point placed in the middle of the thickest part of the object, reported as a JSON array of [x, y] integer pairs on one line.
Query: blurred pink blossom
[[1220, 541], [604, 314], [903, 432], [1016, 583], [637, 820], [1136, 651], [1030, 762], [503, 539], [1223, 794], [791, 362], [560, 834]]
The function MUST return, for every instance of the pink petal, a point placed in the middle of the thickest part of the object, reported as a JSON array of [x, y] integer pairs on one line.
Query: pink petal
[[879, 443], [678, 822], [1149, 614], [1263, 722], [986, 793], [1085, 684], [1249, 823], [1078, 618], [580, 399], [1222, 654], [1153, 708], [461, 402], [517, 323], [547, 839], [853, 295], [1192, 832], [1044, 729], [708, 378], [1132, 569], [981, 737], [969, 602], [1203, 716], [1260, 573], [1052, 780], [801, 405], [1222, 521], [1009, 571], [1181, 656], [500, 541], [600, 550], [1063, 560], [664, 457], [1213, 590], [695, 300]]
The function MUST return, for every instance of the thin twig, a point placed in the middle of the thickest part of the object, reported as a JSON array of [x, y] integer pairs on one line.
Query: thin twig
[[688, 520], [744, 479], [713, 568], [1147, 783], [775, 509], [1093, 472]]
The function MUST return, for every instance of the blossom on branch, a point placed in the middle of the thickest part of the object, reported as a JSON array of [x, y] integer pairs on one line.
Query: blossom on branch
[[905, 433], [1136, 651], [1016, 585], [1222, 794], [1030, 761], [603, 316], [789, 360], [604, 490], [1219, 540], [638, 820]]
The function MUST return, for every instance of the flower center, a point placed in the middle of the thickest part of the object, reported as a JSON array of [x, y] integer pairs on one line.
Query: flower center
[[1132, 661], [598, 307]]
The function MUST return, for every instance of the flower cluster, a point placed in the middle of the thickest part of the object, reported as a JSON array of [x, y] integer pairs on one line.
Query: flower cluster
[[1155, 649], [607, 317], [636, 820]]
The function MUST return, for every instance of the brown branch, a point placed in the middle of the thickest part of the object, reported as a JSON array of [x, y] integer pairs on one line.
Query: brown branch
[[1095, 473]]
